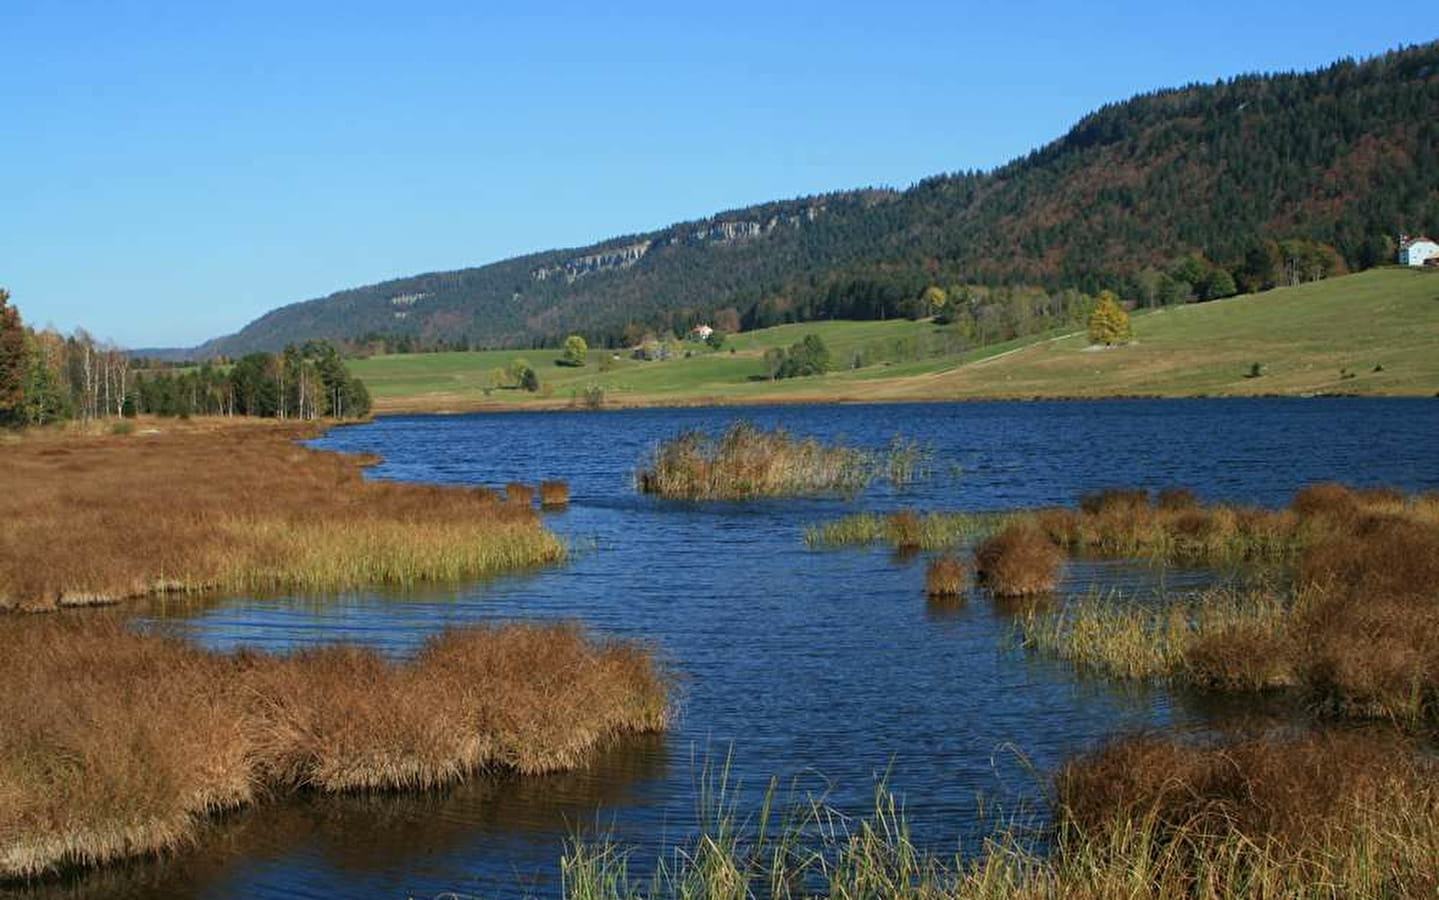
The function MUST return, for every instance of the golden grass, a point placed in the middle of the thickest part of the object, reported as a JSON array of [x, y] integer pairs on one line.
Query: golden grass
[[554, 494], [172, 506], [114, 743], [946, 576], [747, 461]]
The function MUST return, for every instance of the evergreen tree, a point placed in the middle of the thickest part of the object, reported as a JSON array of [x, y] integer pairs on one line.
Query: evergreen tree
[[13, 359]]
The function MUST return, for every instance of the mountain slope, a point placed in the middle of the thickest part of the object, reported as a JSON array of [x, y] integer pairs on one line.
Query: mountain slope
[[1158, 193]]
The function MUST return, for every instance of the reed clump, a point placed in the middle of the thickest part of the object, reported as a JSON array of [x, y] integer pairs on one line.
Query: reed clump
[[1225, 638], [114, 743], [554, 494], [1321, 814], [1355, 628], [946, 577], [747, 462], [1018, 561], [97, 518], [519, 494]]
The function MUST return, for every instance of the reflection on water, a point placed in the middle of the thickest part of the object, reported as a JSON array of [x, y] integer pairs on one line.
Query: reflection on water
[[831, 666]]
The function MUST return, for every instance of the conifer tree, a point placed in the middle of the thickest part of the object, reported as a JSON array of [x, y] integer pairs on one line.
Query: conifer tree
[[13, 350]]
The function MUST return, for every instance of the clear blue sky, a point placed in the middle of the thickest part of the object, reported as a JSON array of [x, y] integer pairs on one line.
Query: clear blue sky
[[171, 171]]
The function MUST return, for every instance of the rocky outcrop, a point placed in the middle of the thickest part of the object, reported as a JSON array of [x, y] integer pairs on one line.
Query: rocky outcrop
[[711, 232]]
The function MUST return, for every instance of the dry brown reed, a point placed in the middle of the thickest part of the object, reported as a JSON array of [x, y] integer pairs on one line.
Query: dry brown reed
[[1018, 561], [906, 530], [1298, 799], [519, 494], [114, 743], [946, 577], [1370, 643], [554, 494], [174, 506]]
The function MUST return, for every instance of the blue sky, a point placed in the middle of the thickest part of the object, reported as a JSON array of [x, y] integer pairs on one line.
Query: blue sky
[[171, 171]]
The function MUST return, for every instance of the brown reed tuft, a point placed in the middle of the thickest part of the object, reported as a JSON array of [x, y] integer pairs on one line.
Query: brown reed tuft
[[1174, 499], [1326, 500], [115, 743], [905, 530], [177, 506], [519, 494], [1283, 793], [1114, 500], [554, 494], [946, 577], [1018, 561]]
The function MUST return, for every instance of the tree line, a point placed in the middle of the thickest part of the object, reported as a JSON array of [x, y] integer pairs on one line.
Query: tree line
[[48, 377]]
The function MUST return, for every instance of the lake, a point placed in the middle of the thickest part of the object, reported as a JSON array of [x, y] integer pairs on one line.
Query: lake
[[827, 669]]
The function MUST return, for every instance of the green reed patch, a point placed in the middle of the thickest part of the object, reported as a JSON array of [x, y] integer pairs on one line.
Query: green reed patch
[[1119, 636], [747, 461], [904, 530]]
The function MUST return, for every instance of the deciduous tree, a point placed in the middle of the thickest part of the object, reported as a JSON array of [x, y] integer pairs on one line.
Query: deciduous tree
[[576, 351], [1109, 323]]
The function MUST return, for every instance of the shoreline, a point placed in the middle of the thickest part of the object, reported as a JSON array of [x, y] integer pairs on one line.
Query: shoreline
[[404, 408]]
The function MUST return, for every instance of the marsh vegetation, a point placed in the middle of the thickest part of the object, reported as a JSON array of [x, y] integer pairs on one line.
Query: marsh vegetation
[[115, 743], [94, 518], [1322, 814], [747, 461]]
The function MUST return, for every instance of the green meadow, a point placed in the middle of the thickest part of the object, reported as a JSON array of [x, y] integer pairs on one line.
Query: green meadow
[[1373, 333]]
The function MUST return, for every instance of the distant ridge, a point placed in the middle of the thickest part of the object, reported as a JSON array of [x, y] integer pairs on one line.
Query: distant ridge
[[1347, 157]]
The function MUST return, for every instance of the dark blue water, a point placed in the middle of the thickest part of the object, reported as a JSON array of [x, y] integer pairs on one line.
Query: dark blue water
[[826, 666]]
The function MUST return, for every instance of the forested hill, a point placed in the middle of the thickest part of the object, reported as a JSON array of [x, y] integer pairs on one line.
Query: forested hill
[[1178, 194]]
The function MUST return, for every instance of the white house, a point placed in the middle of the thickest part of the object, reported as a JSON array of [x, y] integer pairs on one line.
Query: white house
[[1416, 250], [703, 332]]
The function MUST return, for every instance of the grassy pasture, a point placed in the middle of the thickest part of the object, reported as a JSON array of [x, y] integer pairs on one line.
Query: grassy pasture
[[1373, 333]]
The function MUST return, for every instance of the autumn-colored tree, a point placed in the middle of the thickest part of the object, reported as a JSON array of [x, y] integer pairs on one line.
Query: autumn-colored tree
[[1109, 323], [13, 353], [935, 300]]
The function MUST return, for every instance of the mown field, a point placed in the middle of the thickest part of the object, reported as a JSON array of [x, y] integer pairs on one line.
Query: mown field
[[1372, 333]]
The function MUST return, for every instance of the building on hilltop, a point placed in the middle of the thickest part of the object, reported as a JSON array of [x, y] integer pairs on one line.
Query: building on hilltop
[[1416, 251]]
